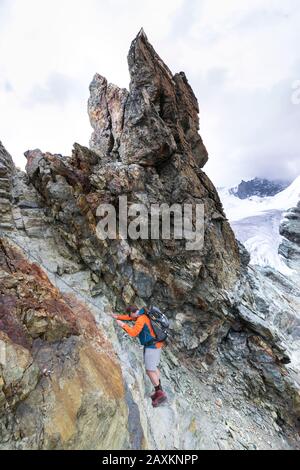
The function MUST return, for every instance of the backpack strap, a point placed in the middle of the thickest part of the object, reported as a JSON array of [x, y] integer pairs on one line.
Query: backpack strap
[[150, 343]]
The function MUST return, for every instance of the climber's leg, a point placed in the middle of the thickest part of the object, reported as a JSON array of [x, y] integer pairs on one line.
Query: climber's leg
[[152, 374], [151, 359], [156, 388]]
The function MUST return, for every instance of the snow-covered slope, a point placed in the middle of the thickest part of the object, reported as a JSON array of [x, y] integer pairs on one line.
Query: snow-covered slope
[[256, 223], [287, 198], [237, 209]]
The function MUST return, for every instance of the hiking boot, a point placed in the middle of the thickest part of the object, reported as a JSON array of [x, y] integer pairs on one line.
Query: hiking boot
[[155, 391], [160, 398]]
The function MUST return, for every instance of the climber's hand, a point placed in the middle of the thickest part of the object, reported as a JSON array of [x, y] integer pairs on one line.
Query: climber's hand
[[113, 315], [120, 323]]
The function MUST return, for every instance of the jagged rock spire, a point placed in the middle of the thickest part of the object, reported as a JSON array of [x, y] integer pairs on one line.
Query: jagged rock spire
[[156, 120], [148, 148]]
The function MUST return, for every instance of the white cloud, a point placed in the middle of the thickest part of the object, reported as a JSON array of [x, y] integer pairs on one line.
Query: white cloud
[[70, 39], [240, 57]]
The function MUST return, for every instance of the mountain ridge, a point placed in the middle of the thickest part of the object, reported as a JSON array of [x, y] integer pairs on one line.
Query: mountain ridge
[[260, 187]]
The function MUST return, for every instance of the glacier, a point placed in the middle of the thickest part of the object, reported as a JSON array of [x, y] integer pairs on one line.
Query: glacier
[[256, 222]]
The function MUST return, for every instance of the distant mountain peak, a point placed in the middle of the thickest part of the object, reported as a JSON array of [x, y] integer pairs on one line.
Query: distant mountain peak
[[260, 187]]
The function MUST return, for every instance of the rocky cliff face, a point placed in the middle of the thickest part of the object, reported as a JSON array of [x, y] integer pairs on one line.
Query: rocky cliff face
[[290, 231], [6, 172], [79, 383], [59, 377], [146, 147]]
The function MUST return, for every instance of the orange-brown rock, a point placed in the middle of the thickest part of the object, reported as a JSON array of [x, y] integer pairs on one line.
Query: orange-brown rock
[[60, 382]]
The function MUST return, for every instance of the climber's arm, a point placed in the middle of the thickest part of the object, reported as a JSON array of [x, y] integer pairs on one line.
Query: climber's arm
[[133, 330], [123, 317]]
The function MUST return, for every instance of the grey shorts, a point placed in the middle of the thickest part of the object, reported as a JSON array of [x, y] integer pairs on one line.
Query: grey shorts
[[151, 358]]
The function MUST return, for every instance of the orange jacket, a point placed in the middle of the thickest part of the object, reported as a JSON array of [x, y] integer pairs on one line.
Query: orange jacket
[[142, 328]]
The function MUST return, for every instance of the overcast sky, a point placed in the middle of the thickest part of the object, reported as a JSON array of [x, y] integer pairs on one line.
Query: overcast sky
[[241, 57]]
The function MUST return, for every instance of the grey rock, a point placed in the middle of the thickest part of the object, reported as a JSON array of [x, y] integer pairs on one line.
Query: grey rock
[[290, 245]]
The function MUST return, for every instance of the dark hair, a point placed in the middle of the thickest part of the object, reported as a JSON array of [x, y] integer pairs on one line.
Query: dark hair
[[131, 309]]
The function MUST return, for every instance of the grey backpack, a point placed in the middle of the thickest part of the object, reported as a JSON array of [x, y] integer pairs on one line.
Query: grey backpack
[[160, 325]]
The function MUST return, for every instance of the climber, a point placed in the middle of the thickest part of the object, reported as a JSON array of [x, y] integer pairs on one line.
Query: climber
[[152, 350]]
